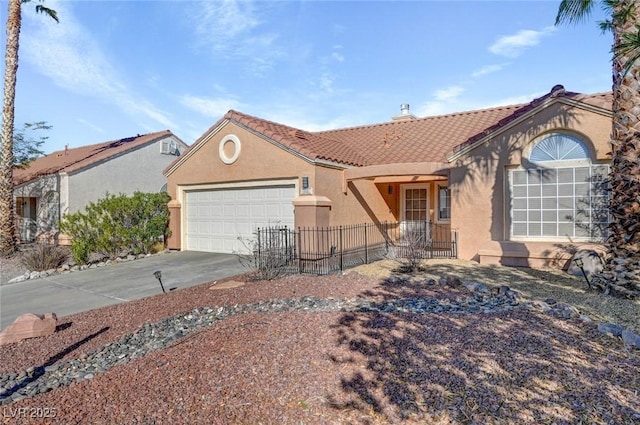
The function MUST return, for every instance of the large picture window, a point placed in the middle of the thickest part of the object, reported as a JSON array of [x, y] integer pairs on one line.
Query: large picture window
[[564, 197]]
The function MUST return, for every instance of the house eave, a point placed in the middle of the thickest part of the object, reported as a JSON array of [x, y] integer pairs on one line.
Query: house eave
[[549, 102], [193, 149], [440, 169], [323, 162], [218, 128]]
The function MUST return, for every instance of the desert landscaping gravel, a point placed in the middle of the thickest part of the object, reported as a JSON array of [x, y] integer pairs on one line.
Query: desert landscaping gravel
[[371, 346]]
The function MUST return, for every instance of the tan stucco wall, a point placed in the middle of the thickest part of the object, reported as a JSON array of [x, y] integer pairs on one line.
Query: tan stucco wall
[[478, 179], [259, 160], [533, 254]]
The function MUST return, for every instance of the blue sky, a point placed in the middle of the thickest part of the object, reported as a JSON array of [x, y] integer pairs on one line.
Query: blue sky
[[113, 69]]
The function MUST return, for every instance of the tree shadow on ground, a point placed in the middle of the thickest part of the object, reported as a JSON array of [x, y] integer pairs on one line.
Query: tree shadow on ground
[[515, 366], [39, 371], [537, 284]]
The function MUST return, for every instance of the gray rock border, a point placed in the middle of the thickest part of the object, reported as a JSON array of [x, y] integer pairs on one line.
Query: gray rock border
[[67, 268]]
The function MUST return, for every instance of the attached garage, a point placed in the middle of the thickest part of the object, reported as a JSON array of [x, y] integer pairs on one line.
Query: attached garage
[[219, 219]]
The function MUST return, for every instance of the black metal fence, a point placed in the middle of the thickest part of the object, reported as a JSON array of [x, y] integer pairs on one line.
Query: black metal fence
[[323, 250]]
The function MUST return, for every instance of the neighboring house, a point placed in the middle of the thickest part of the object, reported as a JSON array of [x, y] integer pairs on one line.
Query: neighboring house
[[66, 181], [518, 182]]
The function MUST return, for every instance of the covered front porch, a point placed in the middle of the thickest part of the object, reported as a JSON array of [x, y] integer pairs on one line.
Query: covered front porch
[[409, 194], [396, 210]]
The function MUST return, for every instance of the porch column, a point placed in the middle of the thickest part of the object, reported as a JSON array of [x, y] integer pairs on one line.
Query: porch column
[[311, 211], [175, 226]]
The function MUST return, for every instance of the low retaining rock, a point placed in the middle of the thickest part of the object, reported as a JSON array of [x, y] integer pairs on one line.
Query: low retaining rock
[[29, 325]]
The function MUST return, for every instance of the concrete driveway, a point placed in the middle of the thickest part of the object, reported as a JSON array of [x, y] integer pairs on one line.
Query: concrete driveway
[[71, 293]]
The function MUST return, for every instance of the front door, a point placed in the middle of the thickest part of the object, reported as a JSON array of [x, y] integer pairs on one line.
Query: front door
[[414, 224], [415, 203]]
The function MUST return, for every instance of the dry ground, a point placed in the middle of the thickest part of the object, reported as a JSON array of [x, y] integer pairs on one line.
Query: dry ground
[[517, 367]]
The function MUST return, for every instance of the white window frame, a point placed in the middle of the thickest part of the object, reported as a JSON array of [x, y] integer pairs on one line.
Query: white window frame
[[403, 190], [437, 211], [168, 147], [558, 196]]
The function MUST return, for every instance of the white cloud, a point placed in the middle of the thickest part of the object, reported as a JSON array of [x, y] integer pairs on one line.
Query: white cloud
[[230, 28], [326, 83], [433, 108], [337, 56], [339, 29], [69, 55], [449, 93], [210, 107], [444, 101], [513, 45], [513, 100], [485, 70], [299, 117], [224, 20], [90, 125]]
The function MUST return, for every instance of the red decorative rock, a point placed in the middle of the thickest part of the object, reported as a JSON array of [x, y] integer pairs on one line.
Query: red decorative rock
[[29, 325]]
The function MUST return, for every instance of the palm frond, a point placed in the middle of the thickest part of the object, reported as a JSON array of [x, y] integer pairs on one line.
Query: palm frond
[[606, 26], [629, 47], [574, 11], [48, 11]]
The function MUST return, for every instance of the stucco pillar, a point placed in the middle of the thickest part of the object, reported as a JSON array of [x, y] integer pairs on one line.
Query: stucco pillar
[[311, 211], [175, 239]]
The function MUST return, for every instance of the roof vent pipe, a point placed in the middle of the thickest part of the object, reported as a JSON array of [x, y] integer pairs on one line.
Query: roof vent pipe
[[404, 109]]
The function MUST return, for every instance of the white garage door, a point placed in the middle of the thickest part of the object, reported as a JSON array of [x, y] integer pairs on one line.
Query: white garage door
[[216, 219]]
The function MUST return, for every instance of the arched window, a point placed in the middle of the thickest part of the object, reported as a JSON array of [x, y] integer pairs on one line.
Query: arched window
[[559, 147], [560, 194]]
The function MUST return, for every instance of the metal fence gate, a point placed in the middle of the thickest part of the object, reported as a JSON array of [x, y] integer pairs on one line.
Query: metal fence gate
[[324, 250]]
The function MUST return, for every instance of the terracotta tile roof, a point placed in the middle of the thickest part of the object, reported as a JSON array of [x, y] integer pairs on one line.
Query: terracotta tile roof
[[74, 159], [599, 100], [311, 145], [429, 139]]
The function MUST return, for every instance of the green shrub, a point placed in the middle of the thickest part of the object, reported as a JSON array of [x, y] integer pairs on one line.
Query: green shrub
[[117, 225], [44, 257]]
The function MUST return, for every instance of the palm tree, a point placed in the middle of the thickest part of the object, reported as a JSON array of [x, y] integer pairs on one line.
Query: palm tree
[[7, 221], [622, 270]]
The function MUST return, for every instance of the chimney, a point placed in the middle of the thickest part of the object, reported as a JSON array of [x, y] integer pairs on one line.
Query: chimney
[[405, 115]]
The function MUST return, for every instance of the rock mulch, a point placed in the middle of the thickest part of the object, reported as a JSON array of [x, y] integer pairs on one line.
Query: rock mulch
[[159, 335], [70, 268], [164, 333]]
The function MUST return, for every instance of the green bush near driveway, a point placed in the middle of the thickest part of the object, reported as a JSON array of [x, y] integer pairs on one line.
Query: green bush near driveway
[[118, 224]]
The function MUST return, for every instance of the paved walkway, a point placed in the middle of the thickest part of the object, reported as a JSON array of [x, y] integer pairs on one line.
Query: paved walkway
[[71, 293]]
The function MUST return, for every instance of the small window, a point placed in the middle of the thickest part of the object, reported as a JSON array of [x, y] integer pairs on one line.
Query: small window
[[444, 203], [169, 147]]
